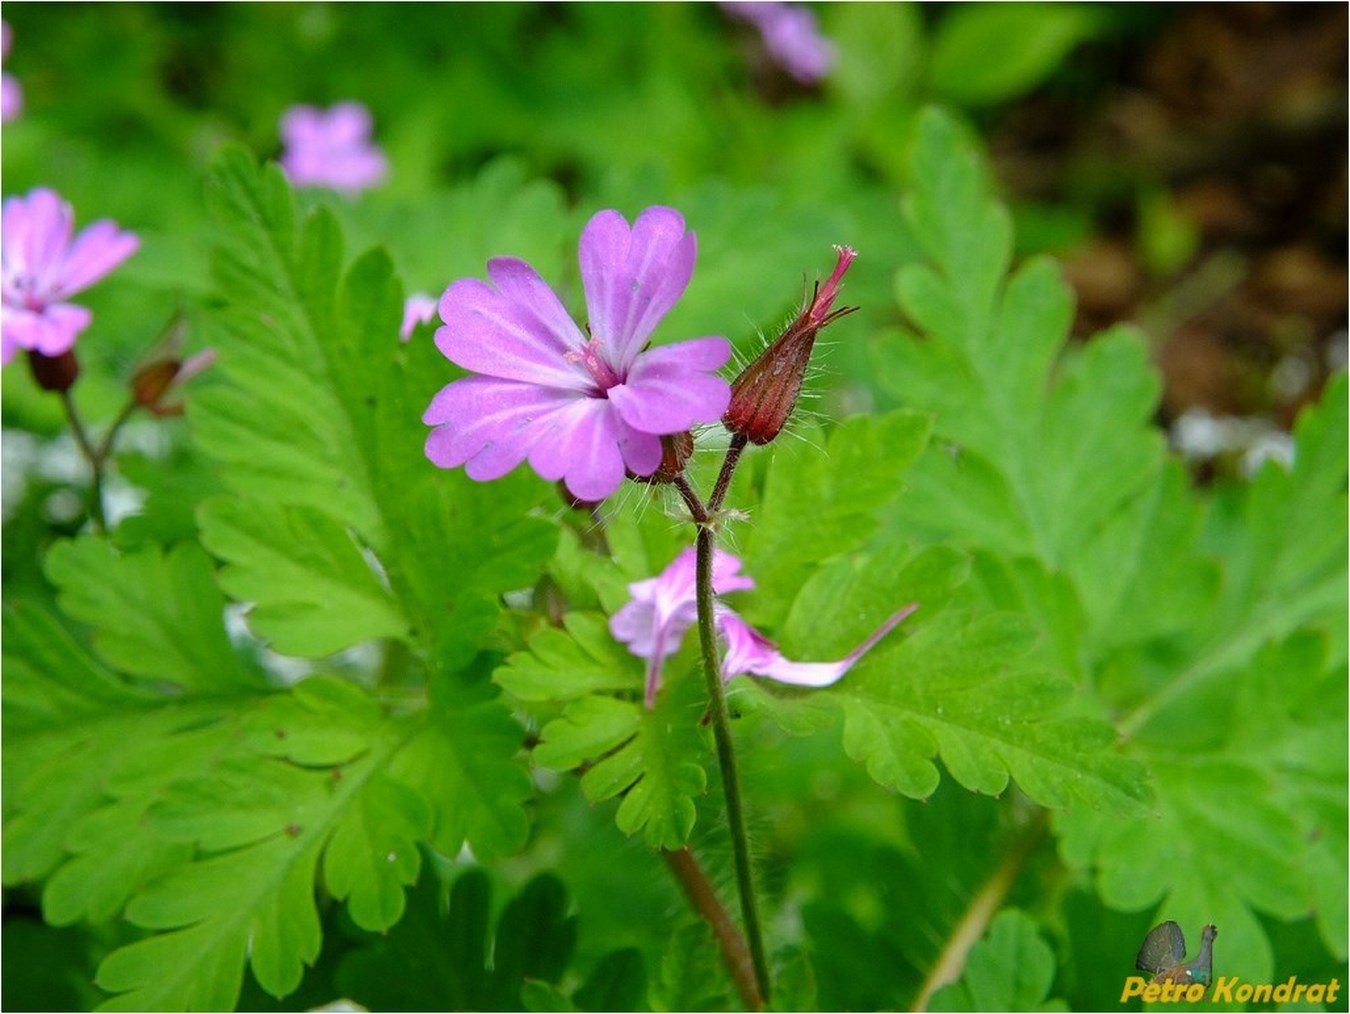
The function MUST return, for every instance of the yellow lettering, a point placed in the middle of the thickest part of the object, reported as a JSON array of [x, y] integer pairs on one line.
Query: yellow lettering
[[1298, 992], [1244, 992], [1261, 993], [1223, 989], [1134, 985], [1332, 989], [1151, 992], [1284, 989], [1317, 992], [1195, 992]]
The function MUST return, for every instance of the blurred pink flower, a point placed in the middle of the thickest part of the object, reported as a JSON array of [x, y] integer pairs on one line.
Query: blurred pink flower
[[331, 148], [42, 267], [11, 95], [663, 608], [419, 308], [790, 35], [583, 408]]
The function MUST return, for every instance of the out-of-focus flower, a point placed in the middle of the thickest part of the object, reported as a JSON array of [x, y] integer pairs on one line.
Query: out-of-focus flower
[[790, 35], [154, 384], [766, 392], [418, 308], [654, 621], [11, 95], [331, 148], [583, 408], [42, 268]]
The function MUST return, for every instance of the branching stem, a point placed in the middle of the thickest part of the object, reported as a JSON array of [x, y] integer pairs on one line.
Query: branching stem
[[96, 456]]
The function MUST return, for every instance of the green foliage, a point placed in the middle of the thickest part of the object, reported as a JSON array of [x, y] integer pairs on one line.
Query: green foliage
[[1169, 611], [989, 52], [1010, 969], [1162, 666]]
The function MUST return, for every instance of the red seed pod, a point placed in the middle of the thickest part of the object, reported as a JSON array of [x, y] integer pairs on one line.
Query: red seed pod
[[765, 394]]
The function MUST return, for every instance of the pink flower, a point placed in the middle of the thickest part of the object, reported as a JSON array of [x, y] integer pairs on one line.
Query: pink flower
[[654, 621], [580, 407], [790, 35], [418, 308], [331, 148], [42, 267], [11, 95]]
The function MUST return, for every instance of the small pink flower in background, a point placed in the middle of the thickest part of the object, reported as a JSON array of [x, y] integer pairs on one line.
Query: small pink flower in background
[[331, 148], [42, 267], [580, 407], [418, 308], [790, 35], [663, 608], [11, 95]]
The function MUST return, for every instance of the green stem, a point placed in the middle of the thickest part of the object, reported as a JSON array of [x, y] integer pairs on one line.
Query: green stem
[[95, 459], [726, 755], [980, 912]]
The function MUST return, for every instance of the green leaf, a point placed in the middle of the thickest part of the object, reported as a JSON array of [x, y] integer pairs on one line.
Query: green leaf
[[581, 659], [652, 756], [463, 761], [618, 982], [321, 421], [1256, 822], [988, 52], [692, 975], [155, 615], [1010, 969], [263, 827], [439, 959], [315, 592], [820, 498], [956, 687]]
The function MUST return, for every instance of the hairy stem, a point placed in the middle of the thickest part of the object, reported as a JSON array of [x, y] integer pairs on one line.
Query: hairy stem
[[981, 910], [705, 901], [726, 756], [723, 483]]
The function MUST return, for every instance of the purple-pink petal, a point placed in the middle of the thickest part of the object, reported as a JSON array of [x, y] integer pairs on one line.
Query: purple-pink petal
[[632, 277], [749, 651], [489, 425], [98, 249], [668, 389], [661, 609], [582, 450], [516, 331]]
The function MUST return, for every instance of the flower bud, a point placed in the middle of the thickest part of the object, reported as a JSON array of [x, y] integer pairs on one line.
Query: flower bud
[[151, 382], [676, 449], [766, 392], [54, 373]]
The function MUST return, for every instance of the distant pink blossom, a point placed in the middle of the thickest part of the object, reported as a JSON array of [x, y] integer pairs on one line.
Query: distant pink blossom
[[583, 407], [654, 621], [11, 95], [418, 308], [331, 148], [42, 267], [790, 35]]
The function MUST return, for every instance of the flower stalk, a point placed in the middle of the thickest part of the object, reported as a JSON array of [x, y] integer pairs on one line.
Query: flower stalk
[[726, 754]]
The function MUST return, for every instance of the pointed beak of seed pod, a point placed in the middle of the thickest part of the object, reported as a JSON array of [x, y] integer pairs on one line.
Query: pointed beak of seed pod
[[765, 394]]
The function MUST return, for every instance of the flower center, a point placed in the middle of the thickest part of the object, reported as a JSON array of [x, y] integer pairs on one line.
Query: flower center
[[21, 291], [595, 364]]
